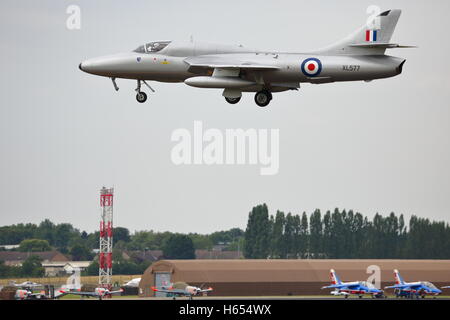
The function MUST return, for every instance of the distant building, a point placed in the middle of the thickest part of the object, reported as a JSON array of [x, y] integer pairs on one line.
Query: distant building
[[278, 277], [156, 255], [16, 258], [53, 269], [141, 256], [9, 246]]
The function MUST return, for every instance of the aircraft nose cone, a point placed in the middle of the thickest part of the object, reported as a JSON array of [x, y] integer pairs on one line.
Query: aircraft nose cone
[[110, 66]]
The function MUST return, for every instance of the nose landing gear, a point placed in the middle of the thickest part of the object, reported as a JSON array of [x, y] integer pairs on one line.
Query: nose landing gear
[[141, 96]]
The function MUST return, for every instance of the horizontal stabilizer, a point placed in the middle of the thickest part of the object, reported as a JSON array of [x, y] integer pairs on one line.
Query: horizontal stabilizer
[[380, 45]]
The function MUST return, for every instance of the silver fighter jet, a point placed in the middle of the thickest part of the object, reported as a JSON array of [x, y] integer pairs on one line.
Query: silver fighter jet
[[236, 69]]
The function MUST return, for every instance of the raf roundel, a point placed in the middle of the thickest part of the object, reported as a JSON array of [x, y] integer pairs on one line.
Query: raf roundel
[[311, 67]]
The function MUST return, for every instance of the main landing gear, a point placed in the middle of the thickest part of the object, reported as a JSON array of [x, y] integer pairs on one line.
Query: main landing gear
[[262, 98], [233, 100]]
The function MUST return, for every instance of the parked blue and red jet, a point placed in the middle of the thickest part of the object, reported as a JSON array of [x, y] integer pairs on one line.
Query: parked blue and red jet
[[413, 289], [359, 288]]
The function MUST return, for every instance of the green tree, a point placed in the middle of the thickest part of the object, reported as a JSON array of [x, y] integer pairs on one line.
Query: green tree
[[121, 234], [289, 236], [92, 269], [34, 245], [304, 236], [80, 252], [201, 241], [278, 248], [32, 267], [257, 233], [315, 234], [46, 231], [178, 246]]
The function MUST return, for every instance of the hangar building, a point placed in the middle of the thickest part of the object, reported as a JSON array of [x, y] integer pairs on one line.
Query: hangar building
[[284, 277]]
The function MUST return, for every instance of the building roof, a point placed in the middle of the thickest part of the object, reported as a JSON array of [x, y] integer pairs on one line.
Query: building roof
[[147, 255], [304, 270], [213, 254], [22, 256], [75, 264]]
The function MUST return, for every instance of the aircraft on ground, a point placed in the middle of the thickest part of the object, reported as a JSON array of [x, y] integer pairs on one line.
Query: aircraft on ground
[[99, 293], [133, 283], [27, 294], [412, 289], [236, 69], [179, 289], [358, 288], [25, 284]]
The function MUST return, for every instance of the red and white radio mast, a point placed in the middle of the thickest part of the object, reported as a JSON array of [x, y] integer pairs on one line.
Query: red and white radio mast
[[106, 238]]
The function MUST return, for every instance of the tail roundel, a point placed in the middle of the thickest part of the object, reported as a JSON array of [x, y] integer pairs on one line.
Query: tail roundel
[[334, 277], [398, 277]]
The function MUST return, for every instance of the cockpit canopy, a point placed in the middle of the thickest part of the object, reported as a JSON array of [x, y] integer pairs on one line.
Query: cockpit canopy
[[151, 47], [367, 284], [428, 284]]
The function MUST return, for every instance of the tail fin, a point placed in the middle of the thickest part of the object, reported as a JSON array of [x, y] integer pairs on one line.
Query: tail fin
[[372, 38], [334, 277], [398, 277]]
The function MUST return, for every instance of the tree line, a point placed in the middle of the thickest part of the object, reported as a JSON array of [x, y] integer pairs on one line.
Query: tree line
[[69, 240], [79, 245], [343, 234]]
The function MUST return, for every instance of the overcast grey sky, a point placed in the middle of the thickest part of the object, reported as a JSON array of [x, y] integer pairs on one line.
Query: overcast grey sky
[[373, 147]]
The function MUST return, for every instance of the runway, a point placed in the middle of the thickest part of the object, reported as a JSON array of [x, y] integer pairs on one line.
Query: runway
[[276, 298]]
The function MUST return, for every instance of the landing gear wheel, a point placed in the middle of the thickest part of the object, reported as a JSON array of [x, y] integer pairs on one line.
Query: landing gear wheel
[[262, 98], [141, 97], [233, 100]]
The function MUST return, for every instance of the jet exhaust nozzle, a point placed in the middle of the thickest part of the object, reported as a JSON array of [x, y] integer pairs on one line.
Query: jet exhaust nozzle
[[400, 67]]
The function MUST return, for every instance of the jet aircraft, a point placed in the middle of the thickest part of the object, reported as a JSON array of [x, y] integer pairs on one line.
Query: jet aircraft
[[358, 288], [99, 293], [237, 69], [181, 289], [26, 284], [133, 283], [27, 294], [412, 289]]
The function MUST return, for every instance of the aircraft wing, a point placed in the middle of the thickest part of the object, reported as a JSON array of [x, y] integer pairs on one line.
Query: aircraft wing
[[224, 62], [404, 286], [337, 286], [206, 290], [89, 293], [173, 291], [117, 291], [81, 293], [380, 45]]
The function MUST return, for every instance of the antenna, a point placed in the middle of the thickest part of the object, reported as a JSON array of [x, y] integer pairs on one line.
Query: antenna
[[106, 238]]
